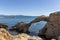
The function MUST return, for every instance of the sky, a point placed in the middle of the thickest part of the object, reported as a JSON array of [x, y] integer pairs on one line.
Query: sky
[[29, 7]]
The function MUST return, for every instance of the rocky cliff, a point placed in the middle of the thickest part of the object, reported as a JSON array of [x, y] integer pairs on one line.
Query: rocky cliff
[[52, 28]]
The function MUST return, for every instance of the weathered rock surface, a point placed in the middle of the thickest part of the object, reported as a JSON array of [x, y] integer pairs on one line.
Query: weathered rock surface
[[40, 18], [26, 37], [52, 28], [21, 27], [4, 35], [3, 25]]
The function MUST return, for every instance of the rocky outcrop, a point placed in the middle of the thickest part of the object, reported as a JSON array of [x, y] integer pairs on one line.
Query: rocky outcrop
[[4, 34], [3, 25], [40, 18], [21, 27], [24, 36], [52, 28]]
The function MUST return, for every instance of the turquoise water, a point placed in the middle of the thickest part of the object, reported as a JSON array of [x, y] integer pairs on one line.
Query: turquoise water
[[14, 20]]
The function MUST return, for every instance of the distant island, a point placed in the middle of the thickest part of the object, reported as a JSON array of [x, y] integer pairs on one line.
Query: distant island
[[13, 16]]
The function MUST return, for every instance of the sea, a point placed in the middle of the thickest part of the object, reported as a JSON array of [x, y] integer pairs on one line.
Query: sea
[[13, 20]]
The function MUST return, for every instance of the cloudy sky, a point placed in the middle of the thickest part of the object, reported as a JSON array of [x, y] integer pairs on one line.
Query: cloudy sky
[[29, 7]]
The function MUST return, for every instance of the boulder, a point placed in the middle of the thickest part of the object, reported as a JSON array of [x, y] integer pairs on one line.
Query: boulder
[[3, 25], [52, 28], [21, 27]]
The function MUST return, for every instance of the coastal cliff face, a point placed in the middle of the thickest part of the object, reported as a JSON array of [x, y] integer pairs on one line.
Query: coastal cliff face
[[52, 28]]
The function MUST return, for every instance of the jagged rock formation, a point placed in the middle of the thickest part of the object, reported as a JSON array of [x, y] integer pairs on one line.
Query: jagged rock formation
[[40, 18], [52, 28], [23, 27], [3, 25]]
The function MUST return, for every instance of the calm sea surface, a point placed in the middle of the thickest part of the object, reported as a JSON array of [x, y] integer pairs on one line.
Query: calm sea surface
[[14, 20]]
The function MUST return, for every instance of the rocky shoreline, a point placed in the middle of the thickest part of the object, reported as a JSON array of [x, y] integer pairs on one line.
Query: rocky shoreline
[[51, 31], [5, 35]]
